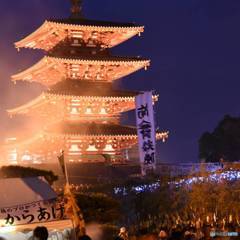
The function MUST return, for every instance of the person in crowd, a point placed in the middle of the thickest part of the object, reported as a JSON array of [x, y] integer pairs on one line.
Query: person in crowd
[[176, 233], [188, 235], [162, 235], [84, 235], [40, 233], [123, 234]]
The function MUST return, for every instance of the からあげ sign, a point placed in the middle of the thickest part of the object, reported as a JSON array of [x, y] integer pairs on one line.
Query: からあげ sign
[[37, 212]]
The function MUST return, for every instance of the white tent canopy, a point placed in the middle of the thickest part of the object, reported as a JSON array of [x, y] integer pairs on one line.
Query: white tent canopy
[[19, 191]]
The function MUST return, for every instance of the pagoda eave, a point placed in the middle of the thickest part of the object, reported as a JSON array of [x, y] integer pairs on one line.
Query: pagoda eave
[[50, 70], [50, 33], [160, 136], [45, 136], [24, 109], [45, 100]]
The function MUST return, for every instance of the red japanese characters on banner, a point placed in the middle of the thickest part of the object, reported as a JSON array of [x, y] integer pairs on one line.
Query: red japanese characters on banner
[[146, 131]]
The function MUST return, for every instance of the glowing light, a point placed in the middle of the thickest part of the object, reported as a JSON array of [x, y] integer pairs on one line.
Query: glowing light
[[229, 175], [37, 162], [74, 110], [12, 157], [88, 111], [74, 148], [31, 44], [91, 148], [108, 147], [103, 111], [76, 42], [26, 157], [6, 229]]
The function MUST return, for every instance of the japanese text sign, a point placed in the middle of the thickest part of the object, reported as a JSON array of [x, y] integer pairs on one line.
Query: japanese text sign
[[37, 212], [146, 131]]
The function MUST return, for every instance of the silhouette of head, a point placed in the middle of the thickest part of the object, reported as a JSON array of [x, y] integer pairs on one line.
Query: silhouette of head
[[40, 233]]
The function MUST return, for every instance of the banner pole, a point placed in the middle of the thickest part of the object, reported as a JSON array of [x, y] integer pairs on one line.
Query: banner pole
[[65, 166]]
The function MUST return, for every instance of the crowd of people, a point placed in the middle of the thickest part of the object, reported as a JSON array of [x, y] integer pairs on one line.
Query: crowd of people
[[41, 233], [177, 232], [196, 231]]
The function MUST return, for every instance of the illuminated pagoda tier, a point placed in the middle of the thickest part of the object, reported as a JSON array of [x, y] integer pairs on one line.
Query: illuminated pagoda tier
[[80, 110], [106, 68], [86, 142]]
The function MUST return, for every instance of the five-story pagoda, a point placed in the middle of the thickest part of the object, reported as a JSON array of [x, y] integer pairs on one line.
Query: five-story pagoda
[[80, 110]]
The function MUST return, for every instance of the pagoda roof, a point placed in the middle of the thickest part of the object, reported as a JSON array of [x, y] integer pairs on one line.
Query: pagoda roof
[[98, 129], [50, 70], [52, 32], [83, 88], [42, 102], [106, 131], [91, 129], [97, 57], [92, 22]]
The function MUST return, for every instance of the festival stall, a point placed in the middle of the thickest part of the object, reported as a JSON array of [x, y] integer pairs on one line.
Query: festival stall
[[29, 202]]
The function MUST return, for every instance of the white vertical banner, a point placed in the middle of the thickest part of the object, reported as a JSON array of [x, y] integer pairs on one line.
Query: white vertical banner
[[146, 131]]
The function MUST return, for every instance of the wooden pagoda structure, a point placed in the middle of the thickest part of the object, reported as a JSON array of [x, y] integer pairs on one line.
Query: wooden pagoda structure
[[80, 110]]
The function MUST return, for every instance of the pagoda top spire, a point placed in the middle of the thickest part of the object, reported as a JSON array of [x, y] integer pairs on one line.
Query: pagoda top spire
[[76, 8]]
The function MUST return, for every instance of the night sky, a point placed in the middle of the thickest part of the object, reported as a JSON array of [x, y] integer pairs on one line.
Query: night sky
[[194, 46]]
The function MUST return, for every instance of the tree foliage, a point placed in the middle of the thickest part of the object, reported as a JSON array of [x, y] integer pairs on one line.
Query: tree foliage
[[209, 198], [99, 207], [150, 211], [223, 142], [21, 172]]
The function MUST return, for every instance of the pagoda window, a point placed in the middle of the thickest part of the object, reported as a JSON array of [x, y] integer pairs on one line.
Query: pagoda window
[[103, 111], [75, 67], [99, 76], [26, 157], [76, 42], [12, 156], [91, 43], [74, 148], [86, 75], [108, 148], [75, 71], [88, 110], [92, 148], [74, 75], [74, 111], [95, 35], [77, 34]]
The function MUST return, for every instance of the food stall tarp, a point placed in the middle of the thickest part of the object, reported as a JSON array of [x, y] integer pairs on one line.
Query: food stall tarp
[[29, 202], [20, 191]]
